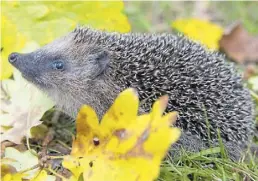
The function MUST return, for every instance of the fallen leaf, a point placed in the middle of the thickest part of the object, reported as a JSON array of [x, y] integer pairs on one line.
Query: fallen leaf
[[20, 160], [26, 106], [11, 39], [12, 177], [239, 45], [7, 169], [203, 31], [15, 162], [123, 146]]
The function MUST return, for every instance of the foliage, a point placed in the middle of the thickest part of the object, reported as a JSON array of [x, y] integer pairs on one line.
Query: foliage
[[121, 147], [206, 32], [22, 107], [41, 22], [15, 41], [22, 162]]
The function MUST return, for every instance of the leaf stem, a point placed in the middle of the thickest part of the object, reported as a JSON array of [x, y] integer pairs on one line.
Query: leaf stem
[[64, 145], [38, 146], [29, 169], [57, 157], [56, 174], [28, 146], [254, 94]]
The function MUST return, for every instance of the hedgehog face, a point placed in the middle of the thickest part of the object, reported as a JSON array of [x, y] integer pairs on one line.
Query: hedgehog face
[[62, 64]]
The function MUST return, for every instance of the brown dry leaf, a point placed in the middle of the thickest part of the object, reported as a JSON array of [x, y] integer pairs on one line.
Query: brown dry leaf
[[239, 45]]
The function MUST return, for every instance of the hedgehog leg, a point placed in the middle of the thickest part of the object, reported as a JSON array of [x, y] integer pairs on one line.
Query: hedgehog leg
[[191, 144], [234, 151], [187, 142]]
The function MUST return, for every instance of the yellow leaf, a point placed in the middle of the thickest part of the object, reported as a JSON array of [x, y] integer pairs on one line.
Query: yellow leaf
[[40, 175], [45, 18], [11, 40], [203, 31], [124, 145], [13, 177], [6, 68], [7, 169]]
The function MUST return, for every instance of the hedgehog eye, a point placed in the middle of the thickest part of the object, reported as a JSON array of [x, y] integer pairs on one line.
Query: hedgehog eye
[[58, 65]]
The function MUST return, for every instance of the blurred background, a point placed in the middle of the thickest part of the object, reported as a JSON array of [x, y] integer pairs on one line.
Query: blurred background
[[158, 15]]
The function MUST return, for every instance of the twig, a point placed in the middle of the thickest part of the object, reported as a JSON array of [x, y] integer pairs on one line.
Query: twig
[[43, 154], [50, 149], [49, 137]]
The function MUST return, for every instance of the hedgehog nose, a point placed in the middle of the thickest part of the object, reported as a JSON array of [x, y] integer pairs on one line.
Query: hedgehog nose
[[13, 57]]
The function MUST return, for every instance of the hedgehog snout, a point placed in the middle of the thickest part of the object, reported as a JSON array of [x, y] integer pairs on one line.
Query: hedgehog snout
[[13, 57]]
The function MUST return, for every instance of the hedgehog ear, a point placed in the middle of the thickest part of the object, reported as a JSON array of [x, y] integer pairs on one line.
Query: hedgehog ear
[[100, 59]]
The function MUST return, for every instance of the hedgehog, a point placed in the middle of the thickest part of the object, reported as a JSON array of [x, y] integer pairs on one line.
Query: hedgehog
[[90, 66]]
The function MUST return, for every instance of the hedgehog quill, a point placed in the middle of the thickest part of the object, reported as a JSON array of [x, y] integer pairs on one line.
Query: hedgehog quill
[[91, 67]]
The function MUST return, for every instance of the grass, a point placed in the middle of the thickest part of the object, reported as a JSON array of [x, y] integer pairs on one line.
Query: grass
[[210, 164], [201, 166]]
